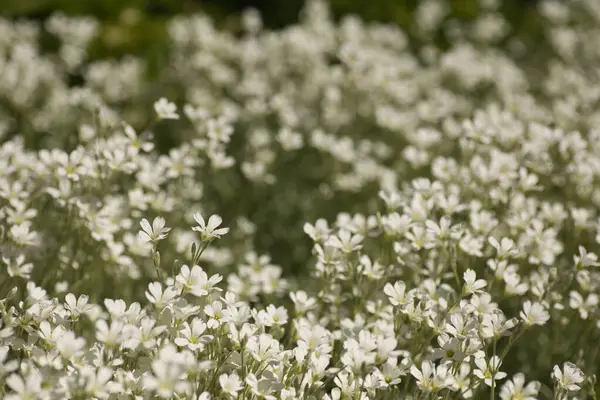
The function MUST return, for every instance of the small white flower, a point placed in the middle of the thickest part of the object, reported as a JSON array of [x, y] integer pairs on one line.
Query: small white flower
[[68, 345], [166, 374], [111, 335], [209, 231], [488, 371], [165, 109], [22, 236], [215, 312], [534, 314], [516, 389], [302, 302], [158, 297], [196, 281], [263, 347], [450, 349], [585, 307], [346, 241], [471, 245], [471, 284], [505, 247], [155, 232], [76, 306], [191, 335], [396, 293], [585, 259], [432, 379], [18, 267], [7, 366], [276, 315], [28, 388], [569, 378], [318, 231], [494, 324], [230, 384]]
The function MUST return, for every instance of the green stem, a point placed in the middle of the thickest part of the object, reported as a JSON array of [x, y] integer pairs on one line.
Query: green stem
[[493, 391], [511, 343]]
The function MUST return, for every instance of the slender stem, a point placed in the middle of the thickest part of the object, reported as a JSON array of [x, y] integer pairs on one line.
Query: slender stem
[[513, 338], [493, 391]]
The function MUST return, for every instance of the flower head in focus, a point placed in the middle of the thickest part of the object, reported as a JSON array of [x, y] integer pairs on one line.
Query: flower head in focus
[[153, 233], [209, 230], [569, 377]]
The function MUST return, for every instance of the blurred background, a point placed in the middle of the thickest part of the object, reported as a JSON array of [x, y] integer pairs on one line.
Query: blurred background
[[138, 26]]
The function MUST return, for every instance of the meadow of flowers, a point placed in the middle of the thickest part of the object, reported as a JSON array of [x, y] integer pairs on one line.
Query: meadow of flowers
[[333, 210]]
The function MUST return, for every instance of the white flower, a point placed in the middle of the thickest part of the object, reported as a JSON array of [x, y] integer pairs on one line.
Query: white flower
[[302, 302], [111, 335], [22, 236], [585, 259], [261, 388], [219, 130], [145, 334], [586, 306], [396, 293], [275, 315], [569, 378], [289, 140], [215, 312], [318, 231], [516, 389], [483, 303], [209, 231], [28, 388], [396, 224], [263, 347], [165, 109], [68, 345], [98, 382], [471, 245], [472, 285], [534, 314], [432, 379], [155, 232], [494, 324], [76, 306], [444, 230], [191, 336], [450, 349], [505, 248], [158, 297], [166, 374], [390, 373], [196, 281], [345, 241], [6, 366], [18, 267], [489, 371], [116, 308], [230, 384]]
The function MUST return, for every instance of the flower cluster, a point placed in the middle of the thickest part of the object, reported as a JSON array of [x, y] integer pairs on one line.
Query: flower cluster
[[328, 211]]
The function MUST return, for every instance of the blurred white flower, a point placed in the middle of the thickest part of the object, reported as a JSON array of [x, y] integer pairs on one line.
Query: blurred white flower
[[165, 109]]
